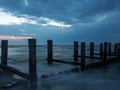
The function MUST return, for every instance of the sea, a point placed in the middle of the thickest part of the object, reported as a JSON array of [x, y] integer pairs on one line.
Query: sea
[[18, 57], [59, 75]]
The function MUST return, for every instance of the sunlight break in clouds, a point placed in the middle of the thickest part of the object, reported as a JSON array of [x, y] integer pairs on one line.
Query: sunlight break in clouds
[[10, 19], [3, 37], [54, 23]]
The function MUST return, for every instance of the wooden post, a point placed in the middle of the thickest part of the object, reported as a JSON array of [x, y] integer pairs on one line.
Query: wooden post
[[75, 51], [32, 63], [118, 50], [50, 51], [109, 51], [105, 51], [101, 49], [82, 56], [115, 48], [91, 50], [4, 52]]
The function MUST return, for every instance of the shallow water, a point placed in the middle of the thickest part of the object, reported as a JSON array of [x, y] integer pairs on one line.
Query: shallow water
[[105, 78], [18, 57], [59, 76]]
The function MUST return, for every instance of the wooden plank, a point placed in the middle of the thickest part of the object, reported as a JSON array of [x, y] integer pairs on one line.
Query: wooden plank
[[89, 57], [4, 52], [113, 54], [96, 53], [66, 62], [101, 63], [14, 71], [94, 57]]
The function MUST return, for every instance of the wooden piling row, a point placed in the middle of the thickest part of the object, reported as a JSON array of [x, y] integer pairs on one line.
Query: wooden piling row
[[105, 53]]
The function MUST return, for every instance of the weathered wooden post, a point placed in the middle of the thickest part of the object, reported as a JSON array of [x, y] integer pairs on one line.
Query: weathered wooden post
[[105, 51], [115, 48], [101, 49], [83, 56], [32, 63], [91, 50], [118, 50], [109, 51], [4, 52], [75, 51], [50, 51]]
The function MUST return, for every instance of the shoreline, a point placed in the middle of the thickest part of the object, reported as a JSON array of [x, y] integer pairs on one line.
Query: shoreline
[[7, 80]]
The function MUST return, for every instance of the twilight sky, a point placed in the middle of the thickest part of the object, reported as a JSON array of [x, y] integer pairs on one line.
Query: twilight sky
[[63, 21]]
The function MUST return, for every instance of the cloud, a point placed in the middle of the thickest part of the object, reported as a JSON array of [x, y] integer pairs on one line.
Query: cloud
[[52, 22], [22, 30], [13, 5], [10, 19], [80, 19], [62, 10], [28, 34], [4, 37]]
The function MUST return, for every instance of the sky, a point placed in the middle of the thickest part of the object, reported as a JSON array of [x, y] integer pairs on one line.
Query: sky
[[62, 21]]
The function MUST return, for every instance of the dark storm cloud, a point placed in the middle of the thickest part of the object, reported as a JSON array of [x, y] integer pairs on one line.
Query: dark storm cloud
[[70, 11], [107, 30], [93, 7], [12, 5]]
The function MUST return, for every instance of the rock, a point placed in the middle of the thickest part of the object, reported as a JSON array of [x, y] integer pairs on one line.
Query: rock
[[44, 76]]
